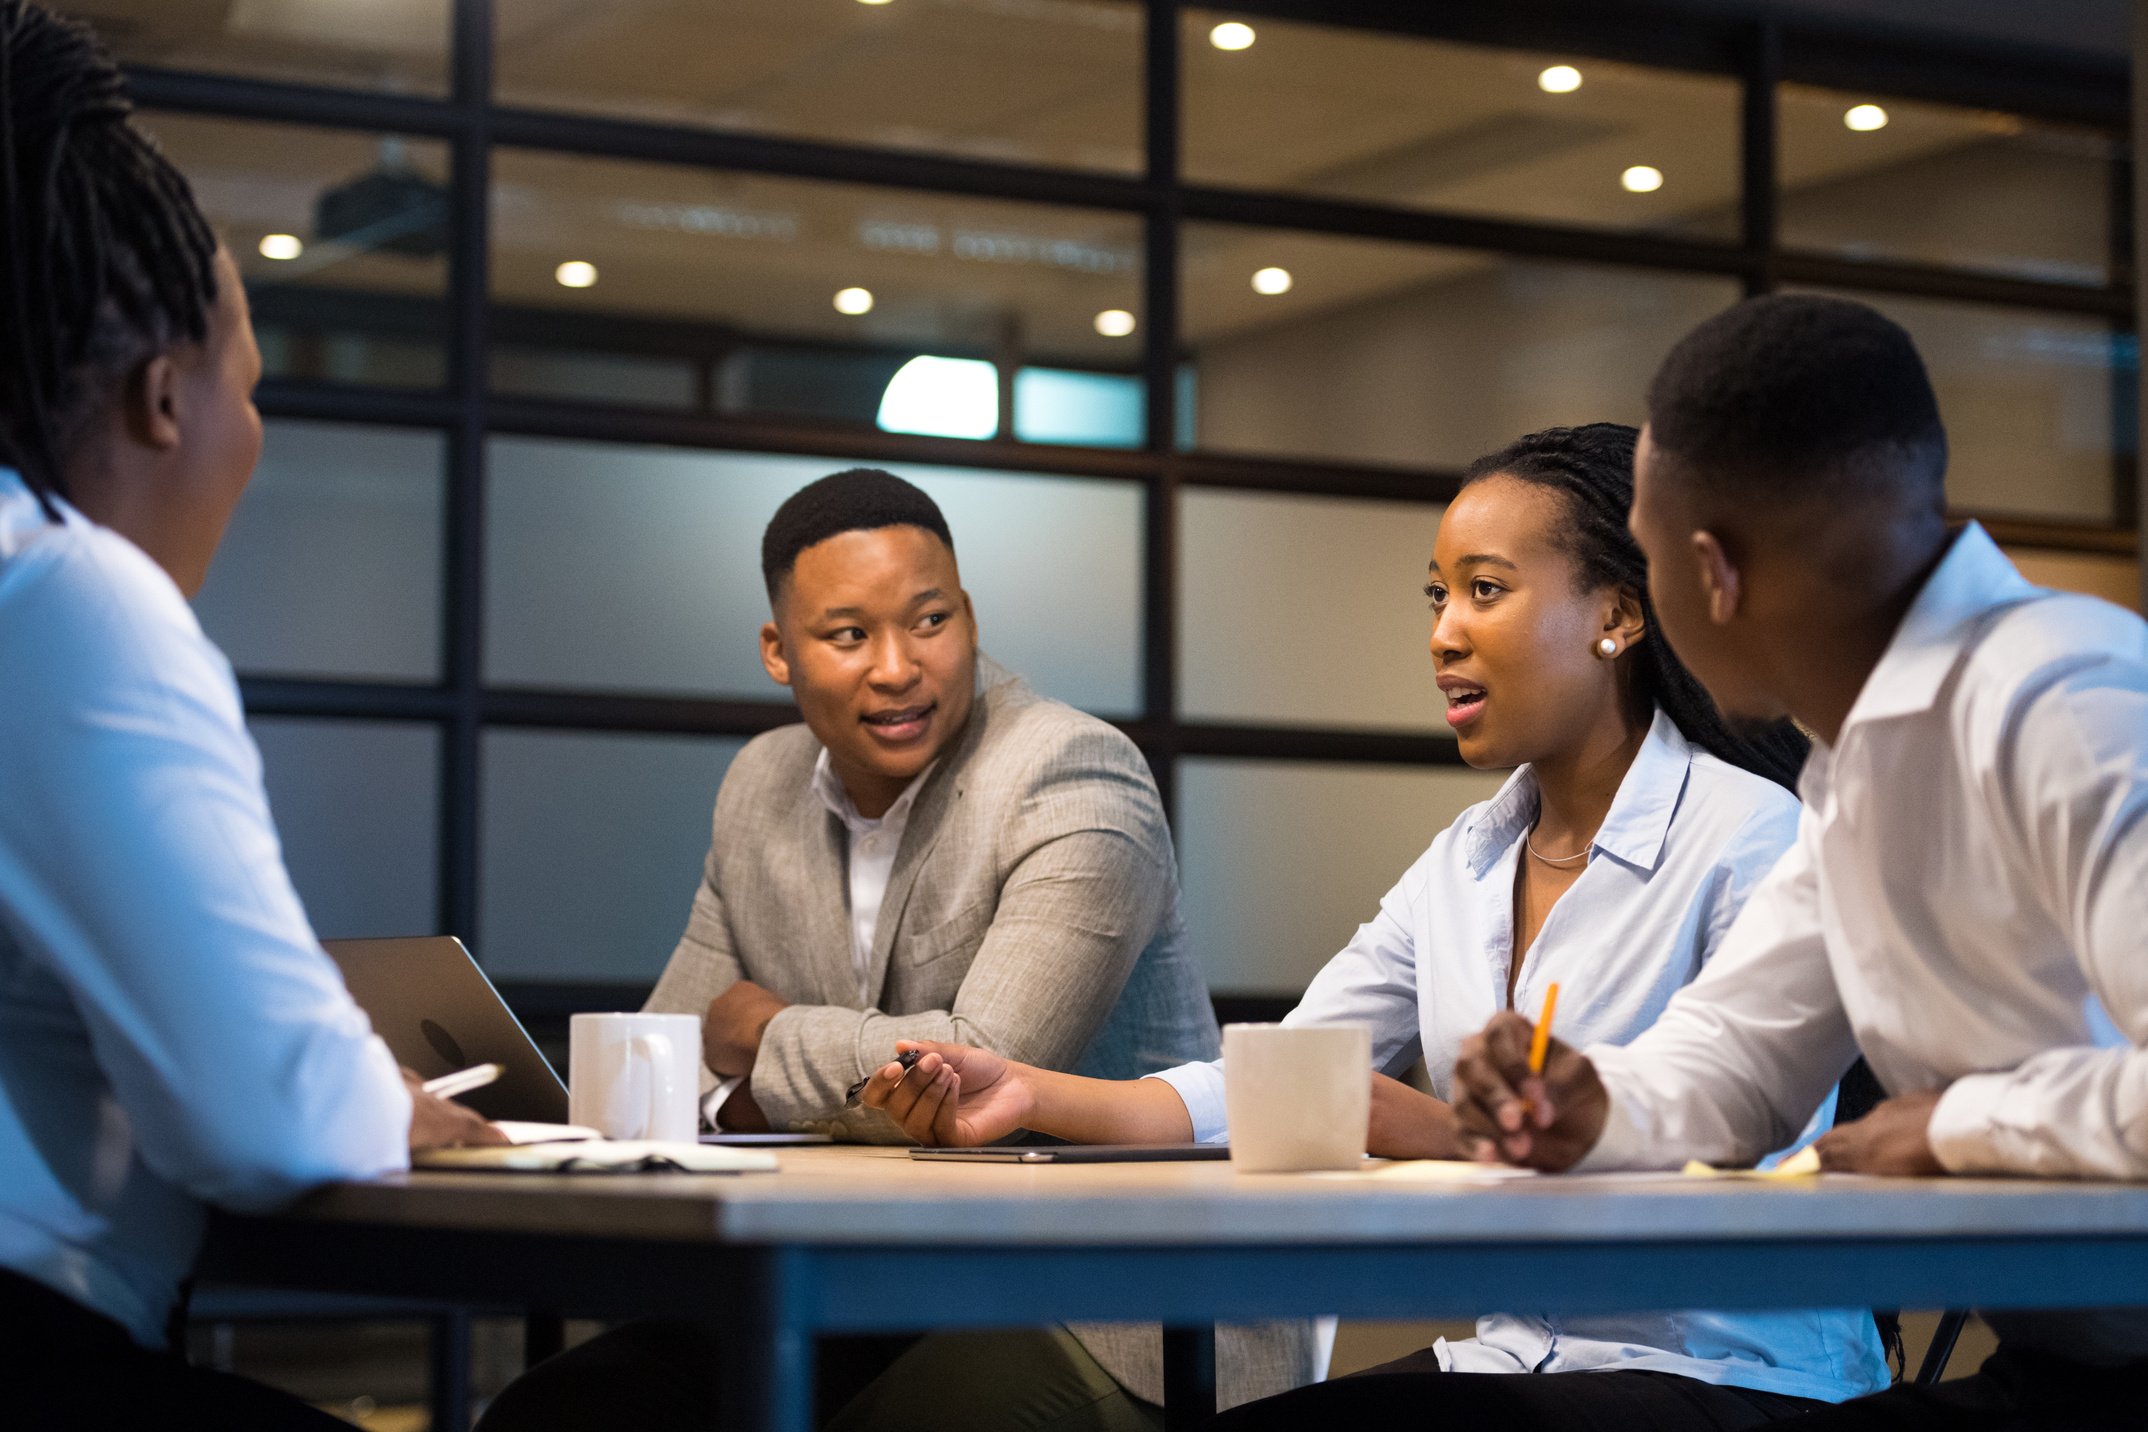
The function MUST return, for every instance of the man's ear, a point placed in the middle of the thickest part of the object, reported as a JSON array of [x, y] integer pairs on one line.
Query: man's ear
[[1720, 579], [151, 399], [773, 660]]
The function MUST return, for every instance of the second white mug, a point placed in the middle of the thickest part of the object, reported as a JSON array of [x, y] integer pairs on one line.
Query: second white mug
[[636, 1076], [1297, 1098]]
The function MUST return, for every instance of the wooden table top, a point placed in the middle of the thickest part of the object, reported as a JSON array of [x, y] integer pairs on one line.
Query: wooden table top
[[877, 1195]]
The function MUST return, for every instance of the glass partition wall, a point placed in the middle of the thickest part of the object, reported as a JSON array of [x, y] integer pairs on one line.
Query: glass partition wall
[[1188, 316]]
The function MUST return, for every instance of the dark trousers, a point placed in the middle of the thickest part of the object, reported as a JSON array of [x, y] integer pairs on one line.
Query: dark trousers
[[64, 1368], [1413, 1392], [664, 1375], [2014, 1391]]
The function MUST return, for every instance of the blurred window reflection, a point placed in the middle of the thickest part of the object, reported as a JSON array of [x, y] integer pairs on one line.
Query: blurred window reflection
[[1420, 357], [395, 45], [1870, 177], [1350, 113], [1035, 82], [794, 297], [359, 225]]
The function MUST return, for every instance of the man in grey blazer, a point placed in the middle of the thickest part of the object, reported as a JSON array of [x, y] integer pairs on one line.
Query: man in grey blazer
[[937, 852]]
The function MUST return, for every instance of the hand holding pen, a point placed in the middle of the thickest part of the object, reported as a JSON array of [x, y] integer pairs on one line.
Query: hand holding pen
[[1523, 1097]]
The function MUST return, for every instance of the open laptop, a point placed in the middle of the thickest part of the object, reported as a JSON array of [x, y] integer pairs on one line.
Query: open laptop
[[438, 1013]]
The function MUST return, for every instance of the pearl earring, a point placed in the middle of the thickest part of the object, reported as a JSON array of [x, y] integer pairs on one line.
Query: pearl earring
[[1607, 647]]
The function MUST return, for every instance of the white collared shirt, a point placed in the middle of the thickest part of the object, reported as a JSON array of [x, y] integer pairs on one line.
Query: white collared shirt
[[871, 847], [1967, 903], [171, 1034], [1687, 838]]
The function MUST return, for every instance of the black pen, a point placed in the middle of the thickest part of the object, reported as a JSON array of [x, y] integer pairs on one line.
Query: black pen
[[907, 1059]]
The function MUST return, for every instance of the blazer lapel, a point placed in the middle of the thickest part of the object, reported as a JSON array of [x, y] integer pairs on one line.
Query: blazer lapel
[[824, 913], [936, 805]]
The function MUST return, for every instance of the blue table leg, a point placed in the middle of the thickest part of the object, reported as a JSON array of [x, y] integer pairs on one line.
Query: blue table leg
[[768, 1352]]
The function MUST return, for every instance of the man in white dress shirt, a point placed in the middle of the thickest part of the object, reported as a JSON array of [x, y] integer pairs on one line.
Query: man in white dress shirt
[[1965, 900], [171, 1035]]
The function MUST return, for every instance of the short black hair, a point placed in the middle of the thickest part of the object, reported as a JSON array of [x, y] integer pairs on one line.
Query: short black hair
[[1792, 396], [858, 499], [105, 259]]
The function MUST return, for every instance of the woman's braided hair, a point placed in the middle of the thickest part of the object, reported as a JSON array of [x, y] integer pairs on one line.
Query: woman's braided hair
[[1591, 468], [105, 259]]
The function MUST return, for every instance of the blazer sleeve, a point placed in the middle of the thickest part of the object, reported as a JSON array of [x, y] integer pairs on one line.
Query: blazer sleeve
[[704, 964], [1087, 882]]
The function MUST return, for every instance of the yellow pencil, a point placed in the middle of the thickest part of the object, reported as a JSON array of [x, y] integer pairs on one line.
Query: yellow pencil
[[1541, 1040]]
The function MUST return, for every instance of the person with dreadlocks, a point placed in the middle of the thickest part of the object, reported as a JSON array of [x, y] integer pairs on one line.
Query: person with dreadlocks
[[1611, 862], [171, 1034]]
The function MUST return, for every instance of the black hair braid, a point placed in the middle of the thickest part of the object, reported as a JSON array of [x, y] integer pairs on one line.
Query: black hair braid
[[1591, 467], [105, 258]]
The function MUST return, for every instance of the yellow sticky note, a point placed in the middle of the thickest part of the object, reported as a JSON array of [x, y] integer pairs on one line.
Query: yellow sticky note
[[1802, 1164]]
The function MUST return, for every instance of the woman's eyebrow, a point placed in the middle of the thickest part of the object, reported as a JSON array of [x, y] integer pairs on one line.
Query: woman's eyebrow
[[1481, 559]]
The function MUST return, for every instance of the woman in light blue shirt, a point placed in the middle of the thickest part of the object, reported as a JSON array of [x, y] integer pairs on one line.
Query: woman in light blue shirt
[[1611, 863]]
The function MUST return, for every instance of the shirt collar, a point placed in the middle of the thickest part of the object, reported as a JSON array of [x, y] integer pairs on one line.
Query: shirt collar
[[1633, 830], [1973, 579], [829, 787], [21, 516]]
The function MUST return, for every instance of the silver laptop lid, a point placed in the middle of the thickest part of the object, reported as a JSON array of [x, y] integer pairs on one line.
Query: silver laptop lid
[[438, 1013]]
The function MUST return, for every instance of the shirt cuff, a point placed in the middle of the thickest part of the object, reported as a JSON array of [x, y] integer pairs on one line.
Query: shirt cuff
[[713, 1100], [1623, 1144], [1964, 1123], [1200, 1086]]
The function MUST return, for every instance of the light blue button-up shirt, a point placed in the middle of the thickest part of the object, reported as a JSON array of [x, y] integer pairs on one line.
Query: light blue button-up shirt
[[1687, 838], [171, 1035]]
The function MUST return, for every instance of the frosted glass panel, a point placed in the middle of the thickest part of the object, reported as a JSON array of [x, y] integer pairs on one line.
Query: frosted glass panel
[[2036, 404], [592, 845], [332, 563], [1282, 860], [639, 569], [357, 805], [1308, 610]]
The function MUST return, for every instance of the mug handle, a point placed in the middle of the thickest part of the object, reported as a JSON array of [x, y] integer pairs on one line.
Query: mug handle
[[653, 1053]]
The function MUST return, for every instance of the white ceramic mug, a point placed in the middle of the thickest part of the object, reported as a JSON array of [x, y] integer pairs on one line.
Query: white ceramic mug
[[1297, 1098], [636, 1076]]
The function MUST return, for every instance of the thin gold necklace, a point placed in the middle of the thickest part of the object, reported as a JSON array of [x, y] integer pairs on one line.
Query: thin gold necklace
[[1583, 854]]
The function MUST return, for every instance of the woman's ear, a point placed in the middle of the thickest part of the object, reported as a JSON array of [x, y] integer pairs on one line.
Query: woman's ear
[[1625, 620], [150, 403]]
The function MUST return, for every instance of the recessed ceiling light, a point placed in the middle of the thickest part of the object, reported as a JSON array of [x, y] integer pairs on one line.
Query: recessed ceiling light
[[1231, 35], [1114, 323], [853, 301], [575, 273], [1642, 179], [1559, 79], [1864, 118], [281, 246], [873, 2], [1272, 281]]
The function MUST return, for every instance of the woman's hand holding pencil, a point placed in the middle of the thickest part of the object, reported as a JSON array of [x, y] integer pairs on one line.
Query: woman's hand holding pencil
[[1523, 1097]]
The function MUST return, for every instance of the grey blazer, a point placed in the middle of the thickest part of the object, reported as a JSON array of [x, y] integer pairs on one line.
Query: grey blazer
[[1032, 910]]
